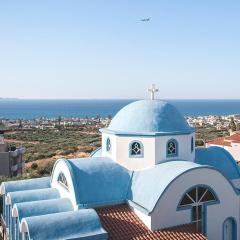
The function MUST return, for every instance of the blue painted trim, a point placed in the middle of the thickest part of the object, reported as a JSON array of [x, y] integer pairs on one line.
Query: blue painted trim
[[192, 144], [93, 152], [107, 143], [60, 177], [176, 146], [130, 149], [234, 237], [194, 186], [150, 134], [100, 204]]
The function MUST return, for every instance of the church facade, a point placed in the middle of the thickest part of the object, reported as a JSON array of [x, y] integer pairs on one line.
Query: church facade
[[148, 163]]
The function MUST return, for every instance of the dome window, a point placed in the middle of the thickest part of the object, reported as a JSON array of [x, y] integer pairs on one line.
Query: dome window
[[192, 144], [136, 149], [108, 145], [172, 148], [62, 180]]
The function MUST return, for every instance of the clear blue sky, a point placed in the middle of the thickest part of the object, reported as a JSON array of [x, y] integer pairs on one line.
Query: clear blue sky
[[100, 49]]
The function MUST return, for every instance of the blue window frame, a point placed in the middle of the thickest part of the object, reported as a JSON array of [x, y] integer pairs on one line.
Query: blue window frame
[[136, 149], [172, 148], [108, 145], [62, 180], [197, 199], [230, 229], [192, 144]]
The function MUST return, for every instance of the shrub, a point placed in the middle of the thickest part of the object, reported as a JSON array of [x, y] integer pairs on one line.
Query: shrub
[[34, 166]]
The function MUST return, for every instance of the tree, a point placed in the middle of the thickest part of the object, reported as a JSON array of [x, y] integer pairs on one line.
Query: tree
[[20, 123], [232, 125], [59, 122]]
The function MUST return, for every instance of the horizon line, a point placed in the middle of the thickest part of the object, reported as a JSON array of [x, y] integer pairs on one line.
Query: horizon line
[[119, 99]]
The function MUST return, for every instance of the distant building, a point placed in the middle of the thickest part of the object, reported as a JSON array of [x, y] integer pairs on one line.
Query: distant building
[[11, 159], [230, 143]]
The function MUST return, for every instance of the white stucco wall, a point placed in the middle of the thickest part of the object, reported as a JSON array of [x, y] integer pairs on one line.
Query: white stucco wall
[[184, 147], [143, 217], [120, 151], [235, 151], [165, 214], [155, 149], [64, 193]]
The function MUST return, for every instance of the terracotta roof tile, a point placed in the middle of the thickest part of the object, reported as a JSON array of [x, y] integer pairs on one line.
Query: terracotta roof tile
[[220, 141], [123, 224], [234, 137]]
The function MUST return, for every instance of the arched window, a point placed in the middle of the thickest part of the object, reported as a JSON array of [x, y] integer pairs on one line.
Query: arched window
[[172, 148], [62, 180], [192, 144], [196, 198], [136, 149], [108, 145]]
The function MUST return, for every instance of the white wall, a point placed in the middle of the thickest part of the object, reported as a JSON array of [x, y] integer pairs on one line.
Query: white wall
[[154, 150], [165, 214], [184, 147], [120, 151], [64, 193]]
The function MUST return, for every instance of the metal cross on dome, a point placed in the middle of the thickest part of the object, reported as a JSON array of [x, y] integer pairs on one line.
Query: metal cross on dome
[[152, 91]]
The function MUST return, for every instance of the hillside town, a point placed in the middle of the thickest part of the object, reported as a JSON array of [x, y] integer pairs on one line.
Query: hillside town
[[218, 122]]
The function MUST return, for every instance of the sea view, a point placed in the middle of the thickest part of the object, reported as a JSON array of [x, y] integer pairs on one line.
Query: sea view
[[30, 109]]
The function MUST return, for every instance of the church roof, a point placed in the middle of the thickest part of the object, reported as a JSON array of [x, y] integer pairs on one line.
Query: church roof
[[220, 159], [121, 224], [37, 208], [105, 182], [154, 181], [148, 117], [32, 195], [98, 181], [27, 184], [80, 224]]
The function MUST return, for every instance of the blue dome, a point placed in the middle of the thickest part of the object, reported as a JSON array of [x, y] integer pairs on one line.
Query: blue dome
[[149, 117], [219, 158]]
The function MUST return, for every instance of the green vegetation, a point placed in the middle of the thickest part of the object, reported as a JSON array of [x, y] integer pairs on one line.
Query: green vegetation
[[41, 144], [44, 147], [204, 134]]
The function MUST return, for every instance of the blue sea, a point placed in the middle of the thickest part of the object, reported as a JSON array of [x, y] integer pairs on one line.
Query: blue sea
[[30, 109]]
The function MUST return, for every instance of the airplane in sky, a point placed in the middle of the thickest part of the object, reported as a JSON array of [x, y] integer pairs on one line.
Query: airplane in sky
[[145, 19]]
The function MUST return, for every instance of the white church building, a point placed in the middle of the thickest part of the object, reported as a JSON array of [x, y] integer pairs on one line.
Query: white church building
[[147, 175]]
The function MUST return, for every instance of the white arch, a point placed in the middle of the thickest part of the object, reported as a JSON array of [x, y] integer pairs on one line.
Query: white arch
[[2, 189], [61, 166], [8, 199], [14, 211]]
